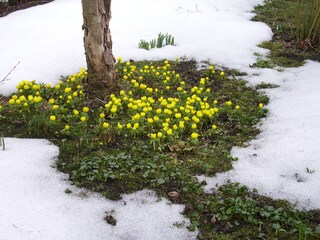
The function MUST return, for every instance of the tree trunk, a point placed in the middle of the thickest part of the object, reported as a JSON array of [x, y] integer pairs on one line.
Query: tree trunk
[[98, 45]]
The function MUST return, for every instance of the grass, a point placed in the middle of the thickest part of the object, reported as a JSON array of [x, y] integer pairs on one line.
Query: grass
[[104, 149], [308, 22], [285, 50]]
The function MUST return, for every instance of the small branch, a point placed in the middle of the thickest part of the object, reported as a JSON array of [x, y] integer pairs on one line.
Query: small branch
[[6, 77]]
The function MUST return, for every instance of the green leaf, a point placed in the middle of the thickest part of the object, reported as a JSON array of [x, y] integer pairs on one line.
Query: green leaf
[[161, 181]]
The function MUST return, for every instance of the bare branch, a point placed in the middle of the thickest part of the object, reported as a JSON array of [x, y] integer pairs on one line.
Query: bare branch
[[6, 77]]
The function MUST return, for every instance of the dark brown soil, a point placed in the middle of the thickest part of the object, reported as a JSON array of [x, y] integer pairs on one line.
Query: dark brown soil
[[5, 9]]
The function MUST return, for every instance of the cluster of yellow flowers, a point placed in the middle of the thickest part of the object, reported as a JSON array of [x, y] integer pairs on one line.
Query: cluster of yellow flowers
[[59, 100], [159, 104], [154, 102]]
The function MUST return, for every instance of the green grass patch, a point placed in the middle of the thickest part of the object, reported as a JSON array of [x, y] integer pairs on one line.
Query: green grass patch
[[168, 123], [285, 49]]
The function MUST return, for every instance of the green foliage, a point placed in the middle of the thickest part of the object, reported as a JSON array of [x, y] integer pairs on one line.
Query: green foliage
[[285, 49], [308, 21], [161, 41]]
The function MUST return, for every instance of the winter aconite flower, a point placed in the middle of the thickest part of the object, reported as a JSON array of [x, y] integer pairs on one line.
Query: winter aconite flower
[[194, 135], [83, 119], [85, 109], [75, 112], [260, 105], [53, 118], [229, 103], [105, 125]]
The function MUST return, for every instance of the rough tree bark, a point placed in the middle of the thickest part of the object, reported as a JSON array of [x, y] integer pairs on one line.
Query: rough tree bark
[[98, 45]]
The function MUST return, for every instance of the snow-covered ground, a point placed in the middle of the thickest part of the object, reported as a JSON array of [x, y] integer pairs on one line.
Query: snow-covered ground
[[34, 205], [282, 162]]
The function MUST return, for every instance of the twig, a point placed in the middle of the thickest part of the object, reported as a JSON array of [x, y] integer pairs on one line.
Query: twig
[[5, 78]]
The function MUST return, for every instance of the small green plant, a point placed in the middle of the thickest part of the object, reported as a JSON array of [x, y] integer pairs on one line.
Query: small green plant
[[161, 41]]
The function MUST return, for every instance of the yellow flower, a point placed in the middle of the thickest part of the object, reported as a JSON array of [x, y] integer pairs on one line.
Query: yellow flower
[[229, 103], [25, 104], [195, 119], [105, 125], [83, 119], [156, 118], [214, 127], [51, 101], [53, 118], [237, 107], [36, 87], [194, 126], [150, 120], [48, 85], [30, 98], [22, 98], [135, 125], [199, 114], [159, 134], [37, 99], [215, 101], [102, 115], [177, 115], [129, 125], [260, 105], [75, 112], [18, 101], [75, 94], [67, 90], [194, 135], [181, 124], [222, 74], [12, 101], [119, 126], [169, 132], [153, 135], [85, 109], [114, 109], [66, 127], [55, 107]]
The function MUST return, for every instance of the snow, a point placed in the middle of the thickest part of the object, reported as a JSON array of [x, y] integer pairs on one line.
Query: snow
[[282, 162], [33, 204]]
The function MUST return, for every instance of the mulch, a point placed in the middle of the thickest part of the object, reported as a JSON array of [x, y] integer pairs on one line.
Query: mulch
[[5, 9]]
